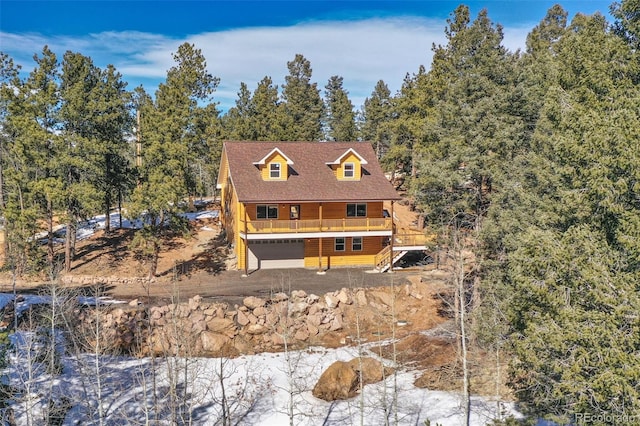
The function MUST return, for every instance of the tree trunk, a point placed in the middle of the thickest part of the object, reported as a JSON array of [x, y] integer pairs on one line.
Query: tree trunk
[[50, 253]]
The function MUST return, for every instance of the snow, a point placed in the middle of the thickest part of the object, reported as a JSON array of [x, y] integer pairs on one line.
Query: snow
[[87, 228], [258, 388]]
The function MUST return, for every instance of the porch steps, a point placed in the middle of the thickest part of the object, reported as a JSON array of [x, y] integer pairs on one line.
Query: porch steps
[[384, 266]]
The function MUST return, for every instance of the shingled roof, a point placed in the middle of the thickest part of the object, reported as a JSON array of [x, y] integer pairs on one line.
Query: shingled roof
[[311, 178]]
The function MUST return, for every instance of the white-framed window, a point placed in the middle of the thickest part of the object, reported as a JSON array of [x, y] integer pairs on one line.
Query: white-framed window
[[349, 170], [274, 170], [339, 244], [356, 210], [356, 244], [267, 211]]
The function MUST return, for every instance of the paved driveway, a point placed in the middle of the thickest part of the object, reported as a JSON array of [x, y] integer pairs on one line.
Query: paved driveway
[[232, 287]]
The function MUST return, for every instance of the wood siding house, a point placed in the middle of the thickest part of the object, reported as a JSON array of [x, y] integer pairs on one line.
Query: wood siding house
[[305, 204]]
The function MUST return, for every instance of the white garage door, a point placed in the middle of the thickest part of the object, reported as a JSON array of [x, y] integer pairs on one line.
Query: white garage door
[[276, 254]]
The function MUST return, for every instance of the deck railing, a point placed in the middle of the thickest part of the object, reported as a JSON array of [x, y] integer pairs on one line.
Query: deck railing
[[314, 225]]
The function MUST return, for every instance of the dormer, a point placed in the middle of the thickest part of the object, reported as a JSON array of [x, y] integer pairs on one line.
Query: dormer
[[274, 166], [348, 166]]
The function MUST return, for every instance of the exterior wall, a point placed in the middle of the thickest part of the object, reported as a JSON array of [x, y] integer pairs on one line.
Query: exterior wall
[[357, 169], [311, 210], [275, 158], [331, 258]]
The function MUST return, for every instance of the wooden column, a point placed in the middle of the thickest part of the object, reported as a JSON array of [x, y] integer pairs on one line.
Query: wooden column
[[246, 241], [391, 241], [320, 240]]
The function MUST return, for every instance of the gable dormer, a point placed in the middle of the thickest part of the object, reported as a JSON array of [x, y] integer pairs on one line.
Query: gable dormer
[[348, 166], [274, 166]]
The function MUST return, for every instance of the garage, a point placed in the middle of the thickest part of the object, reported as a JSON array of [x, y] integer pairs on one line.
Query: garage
[[276, 254]]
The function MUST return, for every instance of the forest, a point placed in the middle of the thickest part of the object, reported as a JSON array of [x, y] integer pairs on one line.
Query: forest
[[530, 160]]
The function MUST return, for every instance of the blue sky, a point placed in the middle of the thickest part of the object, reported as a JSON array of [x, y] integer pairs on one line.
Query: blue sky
[[243, 41]]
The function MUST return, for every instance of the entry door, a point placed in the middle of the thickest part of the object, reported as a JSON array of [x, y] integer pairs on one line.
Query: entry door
[[294, 211]]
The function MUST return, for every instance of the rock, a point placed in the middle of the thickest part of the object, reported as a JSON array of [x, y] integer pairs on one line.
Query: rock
[[336, 323], [134, 302], [213, 342], [253, 302], [256, 329], [339, 381], [279, 297], [302, 334], [224, 326], [372, 370], [260, 311], [331, 301], [299, 308], [194, 302], [298, 294], [361, 298], [344, 297], [242, 317]]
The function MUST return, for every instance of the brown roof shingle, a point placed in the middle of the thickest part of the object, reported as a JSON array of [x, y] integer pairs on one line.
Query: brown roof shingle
[[311, 178]]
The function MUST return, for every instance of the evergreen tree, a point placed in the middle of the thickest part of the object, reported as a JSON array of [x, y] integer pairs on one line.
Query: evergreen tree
[[175, 136], [376, 114], [34, 119], [238, 122], [341, 125], [78, 154], [303, 107], [575, 273], [268, 112]]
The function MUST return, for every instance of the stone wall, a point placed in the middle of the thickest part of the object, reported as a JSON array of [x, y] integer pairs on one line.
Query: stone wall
[[200, 328]]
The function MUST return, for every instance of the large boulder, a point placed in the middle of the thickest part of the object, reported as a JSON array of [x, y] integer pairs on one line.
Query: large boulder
[[339, 381], [372, 370]]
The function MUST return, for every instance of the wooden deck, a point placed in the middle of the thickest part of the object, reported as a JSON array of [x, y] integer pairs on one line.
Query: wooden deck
[[315, 225]]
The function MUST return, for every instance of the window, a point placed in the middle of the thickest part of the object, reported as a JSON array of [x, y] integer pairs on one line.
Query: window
[[357, 210], [339, 246], [264, 211], [274, 170], [349, 170], [356, 244]]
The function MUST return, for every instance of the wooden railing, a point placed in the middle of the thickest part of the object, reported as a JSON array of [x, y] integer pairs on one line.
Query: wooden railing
[[314, 225], [400, 242], [412, 239], [382, 258]]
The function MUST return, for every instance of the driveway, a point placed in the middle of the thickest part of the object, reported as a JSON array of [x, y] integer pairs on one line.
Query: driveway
[[232, 287]]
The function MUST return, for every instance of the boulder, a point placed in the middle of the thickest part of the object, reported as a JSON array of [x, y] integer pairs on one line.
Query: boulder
[[213, 342], [224, 326], [331, 300], [253, 302], [339, 381], [372, 370]]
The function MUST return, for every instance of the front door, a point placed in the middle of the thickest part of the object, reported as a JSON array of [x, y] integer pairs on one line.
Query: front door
[[294, 211]]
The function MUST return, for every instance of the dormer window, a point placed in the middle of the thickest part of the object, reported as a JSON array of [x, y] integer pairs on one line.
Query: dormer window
[[349, 170], [274, 170]]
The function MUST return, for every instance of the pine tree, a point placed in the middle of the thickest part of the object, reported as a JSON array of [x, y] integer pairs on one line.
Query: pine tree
[[303, 107], [376, 115], [341, 125], [176, 134]]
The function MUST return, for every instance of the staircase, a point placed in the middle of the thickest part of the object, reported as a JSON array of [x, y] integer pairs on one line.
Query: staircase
[[382, 258]]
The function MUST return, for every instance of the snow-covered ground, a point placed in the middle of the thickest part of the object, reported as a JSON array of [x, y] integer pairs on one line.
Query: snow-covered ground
[[258, 390], [89, 227]]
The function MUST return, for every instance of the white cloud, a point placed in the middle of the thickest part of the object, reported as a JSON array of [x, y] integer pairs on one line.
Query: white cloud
[[362, 52]]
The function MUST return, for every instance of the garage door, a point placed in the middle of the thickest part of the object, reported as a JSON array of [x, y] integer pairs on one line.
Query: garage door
[[275, 254]]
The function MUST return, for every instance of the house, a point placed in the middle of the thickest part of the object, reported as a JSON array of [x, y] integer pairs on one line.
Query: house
[[305, 205]]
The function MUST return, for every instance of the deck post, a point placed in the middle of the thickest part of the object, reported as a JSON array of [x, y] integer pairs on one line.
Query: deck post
[[246, 242], [391, 241], [320, 241]]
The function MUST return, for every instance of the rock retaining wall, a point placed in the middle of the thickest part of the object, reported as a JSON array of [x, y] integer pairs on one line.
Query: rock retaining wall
[[200, 328]]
